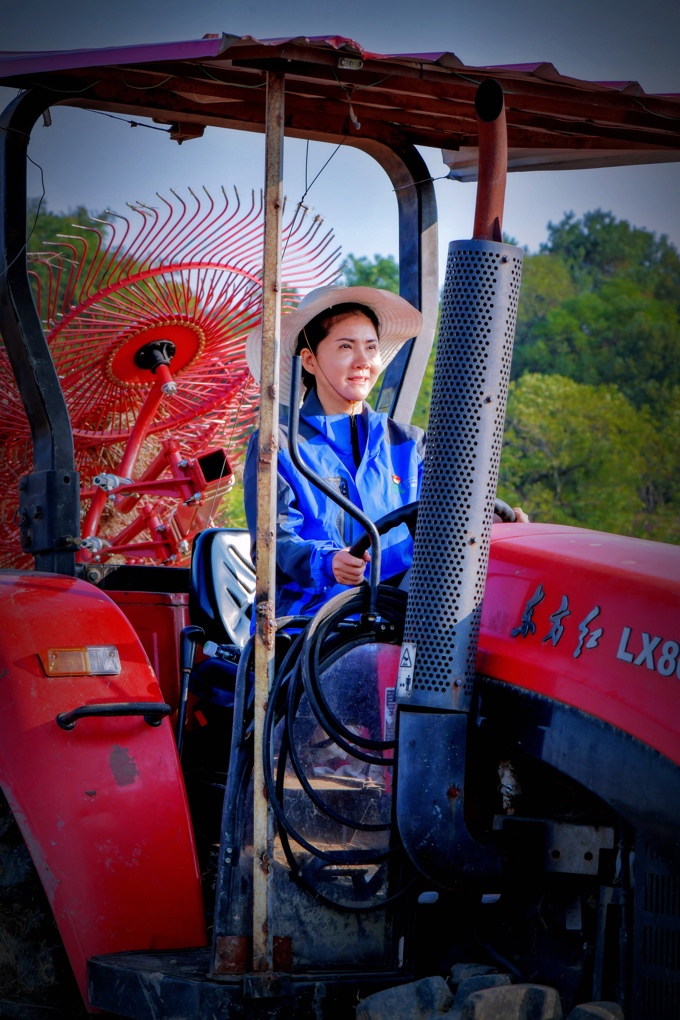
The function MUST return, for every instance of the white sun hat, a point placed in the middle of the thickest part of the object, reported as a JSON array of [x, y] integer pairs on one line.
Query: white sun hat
[[398, 321]]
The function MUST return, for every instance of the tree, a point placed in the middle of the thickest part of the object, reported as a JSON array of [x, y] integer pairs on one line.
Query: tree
[[232, 512], [615, 334], [382, 271], [600, 247], [601, 304], [583, 455], [421, 412], [50, 237], [659, 485], [546, 283], [594, 407]]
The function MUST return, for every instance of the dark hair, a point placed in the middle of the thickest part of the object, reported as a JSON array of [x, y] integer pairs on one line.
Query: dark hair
[[318, 328]]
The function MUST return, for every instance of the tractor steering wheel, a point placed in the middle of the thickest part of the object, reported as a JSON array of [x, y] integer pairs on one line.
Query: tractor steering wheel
[[408, 515]]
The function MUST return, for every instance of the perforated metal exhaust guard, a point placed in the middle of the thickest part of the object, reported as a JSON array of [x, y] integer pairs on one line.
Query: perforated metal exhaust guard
[[464, 439]]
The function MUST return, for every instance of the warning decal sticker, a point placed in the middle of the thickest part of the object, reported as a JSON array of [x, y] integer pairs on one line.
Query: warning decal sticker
[[407, 662]]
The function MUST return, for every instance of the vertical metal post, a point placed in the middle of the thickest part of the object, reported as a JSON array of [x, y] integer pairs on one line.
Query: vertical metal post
[[418, 272], [266, 515], [49, 501]]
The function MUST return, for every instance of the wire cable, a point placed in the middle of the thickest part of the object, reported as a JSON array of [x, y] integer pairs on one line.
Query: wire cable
[[323, 641], [24, 246]]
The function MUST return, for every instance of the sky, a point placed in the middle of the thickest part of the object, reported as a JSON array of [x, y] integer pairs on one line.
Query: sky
[[101, 163]]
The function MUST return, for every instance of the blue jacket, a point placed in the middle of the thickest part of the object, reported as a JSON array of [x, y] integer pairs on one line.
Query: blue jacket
[[310, 527]]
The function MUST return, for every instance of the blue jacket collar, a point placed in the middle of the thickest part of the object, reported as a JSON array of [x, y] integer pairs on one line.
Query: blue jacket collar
[[312, 411]]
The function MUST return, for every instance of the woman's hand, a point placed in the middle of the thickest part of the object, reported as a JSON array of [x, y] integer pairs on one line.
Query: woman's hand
[[520, 517], [348, 569]]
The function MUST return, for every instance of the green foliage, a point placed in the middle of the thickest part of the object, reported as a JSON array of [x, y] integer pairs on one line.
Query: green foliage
[[594, 407], [45, 225], [615, 334], [382, 271], [584, 455], [573, 454], [600, 307], [421, 411], [232, 512], [600, 304], [600, 247], [546, 283], [50, 235], [659, 484]]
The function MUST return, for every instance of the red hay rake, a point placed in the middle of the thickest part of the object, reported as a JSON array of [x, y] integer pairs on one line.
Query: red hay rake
[[146, 318]]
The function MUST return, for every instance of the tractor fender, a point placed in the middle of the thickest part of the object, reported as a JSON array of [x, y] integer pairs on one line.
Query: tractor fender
[[579, 663], [102, 806], [589, 620], [635, 780]]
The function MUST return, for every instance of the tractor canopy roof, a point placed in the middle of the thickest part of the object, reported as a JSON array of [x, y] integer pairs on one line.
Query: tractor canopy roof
[[337, 90]]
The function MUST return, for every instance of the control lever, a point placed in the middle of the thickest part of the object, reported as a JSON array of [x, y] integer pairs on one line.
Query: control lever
[[226, 653], [188, 640]]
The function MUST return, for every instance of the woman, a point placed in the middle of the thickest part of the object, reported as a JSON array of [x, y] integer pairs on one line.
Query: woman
[[345, 337]]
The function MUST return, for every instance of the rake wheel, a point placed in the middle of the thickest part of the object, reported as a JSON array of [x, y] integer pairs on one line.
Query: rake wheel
[[180, 282]]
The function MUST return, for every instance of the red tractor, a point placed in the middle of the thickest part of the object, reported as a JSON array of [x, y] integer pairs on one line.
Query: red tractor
[[457, 800]]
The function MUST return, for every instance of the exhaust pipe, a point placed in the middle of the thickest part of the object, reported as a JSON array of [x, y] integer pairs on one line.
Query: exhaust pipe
[[493, 162], [465, 432]]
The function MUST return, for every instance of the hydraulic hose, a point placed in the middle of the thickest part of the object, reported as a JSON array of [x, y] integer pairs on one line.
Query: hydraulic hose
[[288, 685], [391, 609], [338, 627], [241, 750]]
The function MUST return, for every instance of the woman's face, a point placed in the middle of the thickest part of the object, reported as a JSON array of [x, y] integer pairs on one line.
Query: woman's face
[[346, 364]]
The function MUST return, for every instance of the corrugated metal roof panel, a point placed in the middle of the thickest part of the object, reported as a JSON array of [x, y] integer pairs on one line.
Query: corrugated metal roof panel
[[337, 90], [62, 60]]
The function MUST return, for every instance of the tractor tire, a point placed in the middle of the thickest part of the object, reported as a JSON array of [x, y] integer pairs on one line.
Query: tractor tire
[[36, 979]]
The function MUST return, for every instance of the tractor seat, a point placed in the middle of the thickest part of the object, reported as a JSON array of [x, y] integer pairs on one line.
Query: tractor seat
[[222, 585]]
